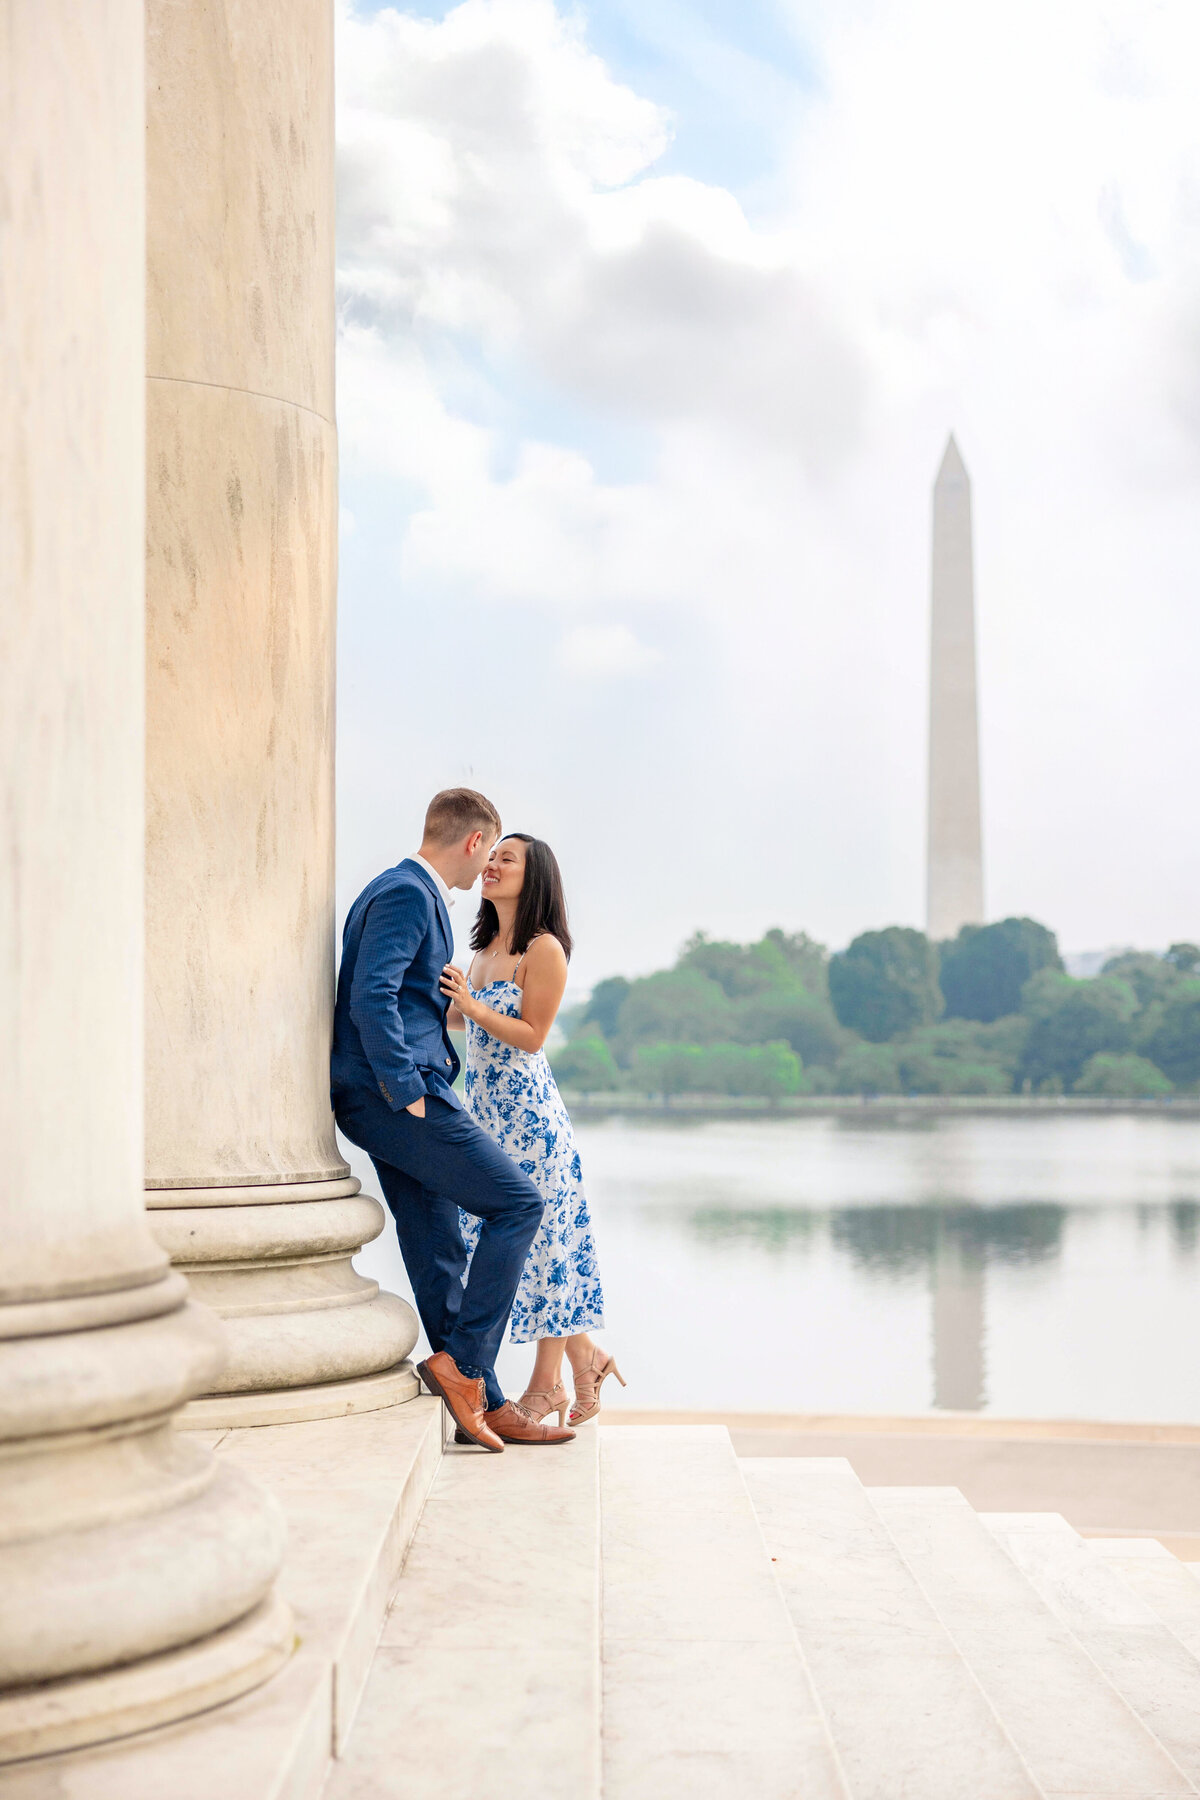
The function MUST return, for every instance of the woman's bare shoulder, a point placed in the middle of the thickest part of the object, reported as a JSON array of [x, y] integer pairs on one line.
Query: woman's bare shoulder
[[546, 953]]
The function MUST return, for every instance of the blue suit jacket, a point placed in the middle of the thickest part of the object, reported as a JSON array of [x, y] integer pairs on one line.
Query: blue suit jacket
[[389, 1024]]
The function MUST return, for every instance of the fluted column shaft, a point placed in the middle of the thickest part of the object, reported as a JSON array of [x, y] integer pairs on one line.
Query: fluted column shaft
[[119, 1541], [247, 1188]]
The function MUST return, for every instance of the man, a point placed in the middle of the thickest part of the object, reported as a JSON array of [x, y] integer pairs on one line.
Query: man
[[392, 1072]]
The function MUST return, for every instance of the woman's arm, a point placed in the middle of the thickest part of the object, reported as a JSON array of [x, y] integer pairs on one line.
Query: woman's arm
[[541, 996]]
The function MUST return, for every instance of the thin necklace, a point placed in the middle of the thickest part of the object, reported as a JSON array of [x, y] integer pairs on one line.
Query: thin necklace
[[499, 951]]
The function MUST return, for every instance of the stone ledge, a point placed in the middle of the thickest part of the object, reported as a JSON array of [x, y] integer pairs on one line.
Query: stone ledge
[[133, 1697], [352, 1490], [291, 1406], [929, 1424]]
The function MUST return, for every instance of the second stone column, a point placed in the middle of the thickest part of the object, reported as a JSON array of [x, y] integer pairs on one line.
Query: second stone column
[[246, 1185]]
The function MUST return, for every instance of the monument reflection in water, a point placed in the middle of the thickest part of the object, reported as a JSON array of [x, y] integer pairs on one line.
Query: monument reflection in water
[[950, 1247]]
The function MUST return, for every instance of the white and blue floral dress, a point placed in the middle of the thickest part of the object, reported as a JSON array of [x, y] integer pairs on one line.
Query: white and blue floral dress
[[513, 1095]]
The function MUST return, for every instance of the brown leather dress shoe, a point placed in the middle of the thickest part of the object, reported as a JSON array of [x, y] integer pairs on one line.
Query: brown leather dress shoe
[[516, 1425], [464, 1398]]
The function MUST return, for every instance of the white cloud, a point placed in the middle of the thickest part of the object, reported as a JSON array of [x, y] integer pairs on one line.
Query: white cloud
[[493, 181], [605, 650]]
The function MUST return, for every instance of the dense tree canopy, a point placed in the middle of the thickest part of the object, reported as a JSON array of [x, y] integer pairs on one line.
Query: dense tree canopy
[[805, 959], [779, 1016], [1175, 1043], [586, 1065], [605, 1003], [676, 1006], [985, 967], [1151, 977], [737, 969], [793, 1016], [960, 1056], [867, 1069], [886, 983], [766, 1070], [1072, 1021], [1131, 1077]]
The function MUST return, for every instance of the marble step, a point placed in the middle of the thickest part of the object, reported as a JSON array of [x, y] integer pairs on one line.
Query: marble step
[[706, 1695], [486, 1681], [1075, 1732], [907, 1716], [352, 1490], [1144, 1661], [1168, 1586]]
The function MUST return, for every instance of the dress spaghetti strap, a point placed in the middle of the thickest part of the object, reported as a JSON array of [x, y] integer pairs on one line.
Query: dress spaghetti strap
[[523, 955]]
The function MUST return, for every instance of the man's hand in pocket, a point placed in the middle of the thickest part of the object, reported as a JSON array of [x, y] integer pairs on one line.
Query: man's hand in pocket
[[417, 1109]]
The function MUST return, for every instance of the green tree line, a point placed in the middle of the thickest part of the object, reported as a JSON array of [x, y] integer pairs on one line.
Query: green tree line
[[991, 1011]]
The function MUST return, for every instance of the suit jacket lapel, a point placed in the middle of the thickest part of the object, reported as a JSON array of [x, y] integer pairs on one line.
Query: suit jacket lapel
[[442, 909]]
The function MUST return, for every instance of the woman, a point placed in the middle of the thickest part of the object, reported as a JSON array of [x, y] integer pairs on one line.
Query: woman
[[507, 1004]]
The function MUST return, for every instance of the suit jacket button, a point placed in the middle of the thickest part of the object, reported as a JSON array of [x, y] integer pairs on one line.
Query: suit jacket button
[[447, 1062]]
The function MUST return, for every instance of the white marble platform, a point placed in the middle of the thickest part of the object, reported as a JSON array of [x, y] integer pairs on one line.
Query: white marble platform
[[639, 1616], [352, 1490], [646, 1618]]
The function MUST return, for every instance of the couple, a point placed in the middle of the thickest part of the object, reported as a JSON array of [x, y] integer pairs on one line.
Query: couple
[[488, 1200]]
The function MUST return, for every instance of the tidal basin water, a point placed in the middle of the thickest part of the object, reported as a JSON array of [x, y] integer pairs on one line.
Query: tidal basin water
[[1027, 1267]]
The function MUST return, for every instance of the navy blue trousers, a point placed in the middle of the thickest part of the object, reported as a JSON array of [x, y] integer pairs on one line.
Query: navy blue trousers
[[427, 1169]]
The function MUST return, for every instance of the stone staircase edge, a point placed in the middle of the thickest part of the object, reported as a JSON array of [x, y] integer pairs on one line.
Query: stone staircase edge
[[819, 1704], [1099, 1673], [791, 1462]]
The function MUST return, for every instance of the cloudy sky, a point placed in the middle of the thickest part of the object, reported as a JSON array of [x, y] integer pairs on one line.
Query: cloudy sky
[[655, 316]]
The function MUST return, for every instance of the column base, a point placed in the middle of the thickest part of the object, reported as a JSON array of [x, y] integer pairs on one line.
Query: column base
[[277, 1265], [291, 1406], [92, 1709]]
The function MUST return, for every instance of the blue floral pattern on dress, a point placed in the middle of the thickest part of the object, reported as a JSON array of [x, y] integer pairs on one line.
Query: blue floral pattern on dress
[[513, 1095]]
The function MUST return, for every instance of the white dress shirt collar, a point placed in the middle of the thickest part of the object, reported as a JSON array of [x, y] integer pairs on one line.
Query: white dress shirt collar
[[429, 869]]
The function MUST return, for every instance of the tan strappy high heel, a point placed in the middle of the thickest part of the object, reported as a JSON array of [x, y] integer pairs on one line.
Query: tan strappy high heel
[[555, 1399], [588, 1383]]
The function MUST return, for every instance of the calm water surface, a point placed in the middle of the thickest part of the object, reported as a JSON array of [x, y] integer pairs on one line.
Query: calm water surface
[[1030, 1267]]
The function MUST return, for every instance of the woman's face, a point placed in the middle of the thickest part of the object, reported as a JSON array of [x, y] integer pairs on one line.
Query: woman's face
[[504, 876]]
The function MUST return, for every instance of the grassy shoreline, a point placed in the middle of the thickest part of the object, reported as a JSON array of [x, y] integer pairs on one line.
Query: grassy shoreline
[[874, 1106]]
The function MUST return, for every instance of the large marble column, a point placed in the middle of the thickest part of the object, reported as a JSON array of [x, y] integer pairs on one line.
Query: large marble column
[[247, 1188], [135, 1572]]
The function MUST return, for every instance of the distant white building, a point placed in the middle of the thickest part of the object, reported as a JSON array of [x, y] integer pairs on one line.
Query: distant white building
[[1083, 964]]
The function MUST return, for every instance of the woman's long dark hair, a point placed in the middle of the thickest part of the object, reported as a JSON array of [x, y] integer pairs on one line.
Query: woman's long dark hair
[[541, 908]]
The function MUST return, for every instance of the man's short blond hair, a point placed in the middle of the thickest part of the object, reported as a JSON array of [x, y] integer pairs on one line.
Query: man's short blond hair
[[455, 813]]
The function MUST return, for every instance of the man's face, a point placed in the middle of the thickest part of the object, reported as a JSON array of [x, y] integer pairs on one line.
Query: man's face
[[476, 858]]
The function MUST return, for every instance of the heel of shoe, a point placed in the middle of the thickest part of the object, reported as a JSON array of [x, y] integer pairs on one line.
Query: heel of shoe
[[613, 1370], [563, 1410]]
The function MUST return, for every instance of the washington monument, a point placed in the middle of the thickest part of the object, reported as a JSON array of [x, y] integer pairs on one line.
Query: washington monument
[[954, 853]]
